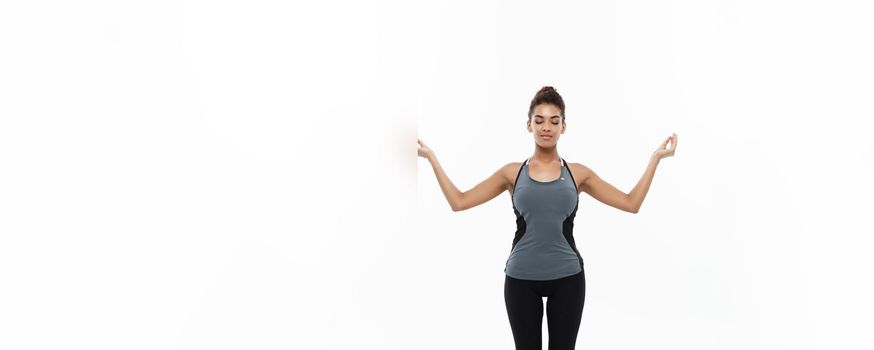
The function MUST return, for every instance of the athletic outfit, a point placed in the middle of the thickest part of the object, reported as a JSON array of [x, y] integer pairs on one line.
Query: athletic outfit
[[544, 262]]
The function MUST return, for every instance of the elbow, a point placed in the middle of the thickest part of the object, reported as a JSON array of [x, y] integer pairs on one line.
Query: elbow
[[631, 206], [458, 205]]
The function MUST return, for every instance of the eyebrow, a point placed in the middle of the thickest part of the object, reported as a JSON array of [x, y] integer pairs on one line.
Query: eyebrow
[[538, 115]]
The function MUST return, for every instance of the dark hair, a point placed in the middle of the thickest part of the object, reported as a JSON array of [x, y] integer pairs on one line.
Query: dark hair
[[547, 94]]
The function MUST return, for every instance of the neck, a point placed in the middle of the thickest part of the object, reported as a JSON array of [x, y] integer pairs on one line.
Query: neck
[[545, 155]]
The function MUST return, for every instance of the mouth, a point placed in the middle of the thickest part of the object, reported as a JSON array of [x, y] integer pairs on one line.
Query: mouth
[[546, 137]]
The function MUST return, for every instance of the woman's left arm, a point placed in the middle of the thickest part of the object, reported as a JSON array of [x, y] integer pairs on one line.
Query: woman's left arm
[[631, 202]]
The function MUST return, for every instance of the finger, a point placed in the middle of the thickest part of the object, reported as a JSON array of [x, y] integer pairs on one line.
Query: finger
[[664, 143]]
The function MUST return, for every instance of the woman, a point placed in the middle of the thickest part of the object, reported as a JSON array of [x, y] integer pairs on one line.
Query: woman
[[544, 260]]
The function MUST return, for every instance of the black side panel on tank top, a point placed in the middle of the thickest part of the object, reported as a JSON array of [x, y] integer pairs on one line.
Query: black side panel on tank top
[[520, 221], [568, 225]]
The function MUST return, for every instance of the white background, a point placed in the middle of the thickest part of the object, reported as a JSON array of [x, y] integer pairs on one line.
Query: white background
[[228, 175]]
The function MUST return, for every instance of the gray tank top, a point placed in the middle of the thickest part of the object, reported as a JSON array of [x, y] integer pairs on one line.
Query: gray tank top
[[544, 248]]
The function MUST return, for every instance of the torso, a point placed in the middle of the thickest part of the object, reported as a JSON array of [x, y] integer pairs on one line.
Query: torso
[[543, 246]]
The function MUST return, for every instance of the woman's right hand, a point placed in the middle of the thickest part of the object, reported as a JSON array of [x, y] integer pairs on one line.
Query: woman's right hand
[[424, 151]]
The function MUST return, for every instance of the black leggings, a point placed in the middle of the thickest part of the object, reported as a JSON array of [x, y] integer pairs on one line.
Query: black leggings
[[564, 309]]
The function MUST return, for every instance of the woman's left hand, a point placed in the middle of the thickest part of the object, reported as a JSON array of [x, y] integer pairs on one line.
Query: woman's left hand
[[663, 152]]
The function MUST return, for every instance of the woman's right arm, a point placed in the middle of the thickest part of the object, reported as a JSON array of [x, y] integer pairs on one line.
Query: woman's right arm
[[452, 194], [458, 201]]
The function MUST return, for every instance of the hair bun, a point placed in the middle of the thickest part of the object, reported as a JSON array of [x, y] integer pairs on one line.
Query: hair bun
[[547, 94]]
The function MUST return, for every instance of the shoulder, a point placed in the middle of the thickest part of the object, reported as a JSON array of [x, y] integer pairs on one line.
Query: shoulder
[[511, 167], [580, 172], [579, 168], [509, 171]]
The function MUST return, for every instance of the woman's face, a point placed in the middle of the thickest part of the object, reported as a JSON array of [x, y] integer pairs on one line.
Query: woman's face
[[546, 124]]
